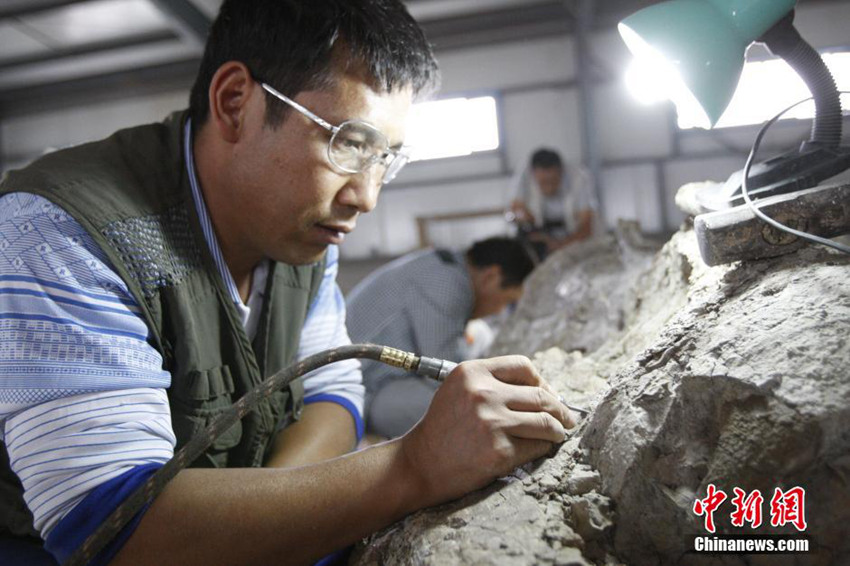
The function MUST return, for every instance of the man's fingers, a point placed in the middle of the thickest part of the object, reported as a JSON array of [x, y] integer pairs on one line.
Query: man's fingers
[[528, 450], [536, 426], [520, 375], [516, 370], [532, 399]]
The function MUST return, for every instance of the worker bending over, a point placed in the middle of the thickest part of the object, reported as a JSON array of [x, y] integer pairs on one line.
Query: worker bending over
[[149, 280], [421, 302]]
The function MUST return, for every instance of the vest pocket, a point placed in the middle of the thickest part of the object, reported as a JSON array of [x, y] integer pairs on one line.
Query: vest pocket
[[197, 398]]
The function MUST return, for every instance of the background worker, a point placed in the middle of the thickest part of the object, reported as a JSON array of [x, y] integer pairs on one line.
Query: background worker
[[422, 302], [151, 278], [549, 210]]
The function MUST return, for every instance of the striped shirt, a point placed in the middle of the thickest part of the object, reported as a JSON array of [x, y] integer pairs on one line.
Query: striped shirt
[[419, 302], [82, 392]]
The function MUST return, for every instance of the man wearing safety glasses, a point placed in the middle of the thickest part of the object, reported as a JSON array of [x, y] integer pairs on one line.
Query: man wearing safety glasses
[[150, 279]]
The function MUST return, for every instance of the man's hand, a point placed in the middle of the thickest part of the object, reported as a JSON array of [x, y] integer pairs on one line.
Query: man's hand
[[521, 213], [487, 418]]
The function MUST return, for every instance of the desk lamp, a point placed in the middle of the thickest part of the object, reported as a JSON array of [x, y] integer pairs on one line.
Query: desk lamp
[[697, 47]]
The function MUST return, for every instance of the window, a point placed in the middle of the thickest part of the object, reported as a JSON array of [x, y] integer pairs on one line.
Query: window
[[452, 127], [768, 87], [765, 89]]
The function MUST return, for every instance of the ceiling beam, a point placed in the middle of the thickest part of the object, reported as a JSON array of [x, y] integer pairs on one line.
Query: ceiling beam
[[154, 79], [495, 19], [499, 25], [20, 8], [137, 40], [191, 22]]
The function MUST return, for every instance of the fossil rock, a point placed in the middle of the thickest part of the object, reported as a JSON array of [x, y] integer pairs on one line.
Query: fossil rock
[[734, 375]]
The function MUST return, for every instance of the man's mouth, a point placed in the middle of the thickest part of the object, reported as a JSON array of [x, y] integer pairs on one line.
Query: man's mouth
[[334, 233]]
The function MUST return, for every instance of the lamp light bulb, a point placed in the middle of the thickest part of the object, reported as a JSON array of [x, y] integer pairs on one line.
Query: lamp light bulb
[[652, 77]]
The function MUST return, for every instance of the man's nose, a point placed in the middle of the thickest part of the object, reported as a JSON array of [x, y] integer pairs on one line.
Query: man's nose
[[362, 189]]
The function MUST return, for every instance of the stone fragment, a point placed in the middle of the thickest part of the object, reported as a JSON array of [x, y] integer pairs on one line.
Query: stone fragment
[[570, 557], [590, 515], [582, 479]]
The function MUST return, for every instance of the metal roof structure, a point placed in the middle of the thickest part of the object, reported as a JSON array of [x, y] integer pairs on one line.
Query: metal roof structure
[[55, 53]]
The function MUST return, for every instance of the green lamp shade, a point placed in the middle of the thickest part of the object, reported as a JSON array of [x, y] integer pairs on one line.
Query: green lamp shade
[[700, 44]]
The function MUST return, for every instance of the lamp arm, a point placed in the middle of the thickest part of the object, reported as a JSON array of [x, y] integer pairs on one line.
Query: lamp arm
[[785, 41]]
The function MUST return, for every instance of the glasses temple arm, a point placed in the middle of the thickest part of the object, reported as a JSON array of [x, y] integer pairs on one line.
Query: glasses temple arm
[[271, 90]]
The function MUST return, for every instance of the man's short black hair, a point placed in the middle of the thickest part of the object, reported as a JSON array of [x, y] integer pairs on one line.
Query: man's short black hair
[[545, 158], [512, 256], [291, 44]]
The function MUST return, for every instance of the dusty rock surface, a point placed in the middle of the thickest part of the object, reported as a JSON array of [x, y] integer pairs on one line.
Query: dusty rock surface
[[547, 513], [747, 386], [734, 375], [576, 300]]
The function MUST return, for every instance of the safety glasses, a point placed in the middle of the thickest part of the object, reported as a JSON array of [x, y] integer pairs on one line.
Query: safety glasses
[[355, 145]]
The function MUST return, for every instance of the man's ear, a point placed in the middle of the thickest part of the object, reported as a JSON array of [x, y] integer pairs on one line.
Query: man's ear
[[493, 276], [230, 90]]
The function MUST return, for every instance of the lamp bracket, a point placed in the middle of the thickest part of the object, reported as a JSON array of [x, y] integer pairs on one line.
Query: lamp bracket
[[783, 40]]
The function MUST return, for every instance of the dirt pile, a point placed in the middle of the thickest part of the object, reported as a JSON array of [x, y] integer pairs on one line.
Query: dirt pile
[[734, 376]]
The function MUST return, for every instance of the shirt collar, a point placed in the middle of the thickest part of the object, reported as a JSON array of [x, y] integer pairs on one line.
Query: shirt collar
[[204, 217]]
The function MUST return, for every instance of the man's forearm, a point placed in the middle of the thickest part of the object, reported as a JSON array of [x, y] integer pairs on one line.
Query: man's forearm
[[585, 225], [583, 232], [274, 516], [488, 417], [325, 430]]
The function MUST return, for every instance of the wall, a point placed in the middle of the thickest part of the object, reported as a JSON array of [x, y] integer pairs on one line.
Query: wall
[[644, 157], [26, 137]]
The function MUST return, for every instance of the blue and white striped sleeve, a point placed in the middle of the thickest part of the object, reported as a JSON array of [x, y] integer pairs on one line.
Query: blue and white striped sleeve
[[324, 328], [82, 392]]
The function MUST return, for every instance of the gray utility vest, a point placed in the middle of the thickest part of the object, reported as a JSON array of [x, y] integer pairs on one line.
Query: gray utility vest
[[131, 192]]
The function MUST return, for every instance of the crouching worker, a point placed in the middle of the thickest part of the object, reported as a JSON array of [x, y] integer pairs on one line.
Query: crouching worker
[[422, 302], [148, 280], [551, 209]]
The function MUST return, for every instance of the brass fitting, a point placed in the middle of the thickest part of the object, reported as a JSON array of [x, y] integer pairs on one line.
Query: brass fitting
[[399, 358]]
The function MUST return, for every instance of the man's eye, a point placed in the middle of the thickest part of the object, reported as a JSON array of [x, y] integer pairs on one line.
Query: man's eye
[[353, 144], [359, 145]]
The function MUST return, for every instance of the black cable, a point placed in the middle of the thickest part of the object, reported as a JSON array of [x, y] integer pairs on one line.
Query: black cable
[[153, 486], [745, 191], [433, 368]]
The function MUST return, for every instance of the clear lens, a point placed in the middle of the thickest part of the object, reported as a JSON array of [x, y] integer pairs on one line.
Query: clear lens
[[356, 146]]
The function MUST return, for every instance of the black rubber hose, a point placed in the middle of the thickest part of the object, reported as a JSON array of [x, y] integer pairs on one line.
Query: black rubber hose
[[785, 41], [154, 485]]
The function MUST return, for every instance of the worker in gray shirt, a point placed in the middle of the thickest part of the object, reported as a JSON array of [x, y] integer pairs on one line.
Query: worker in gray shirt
[[421, 302]]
